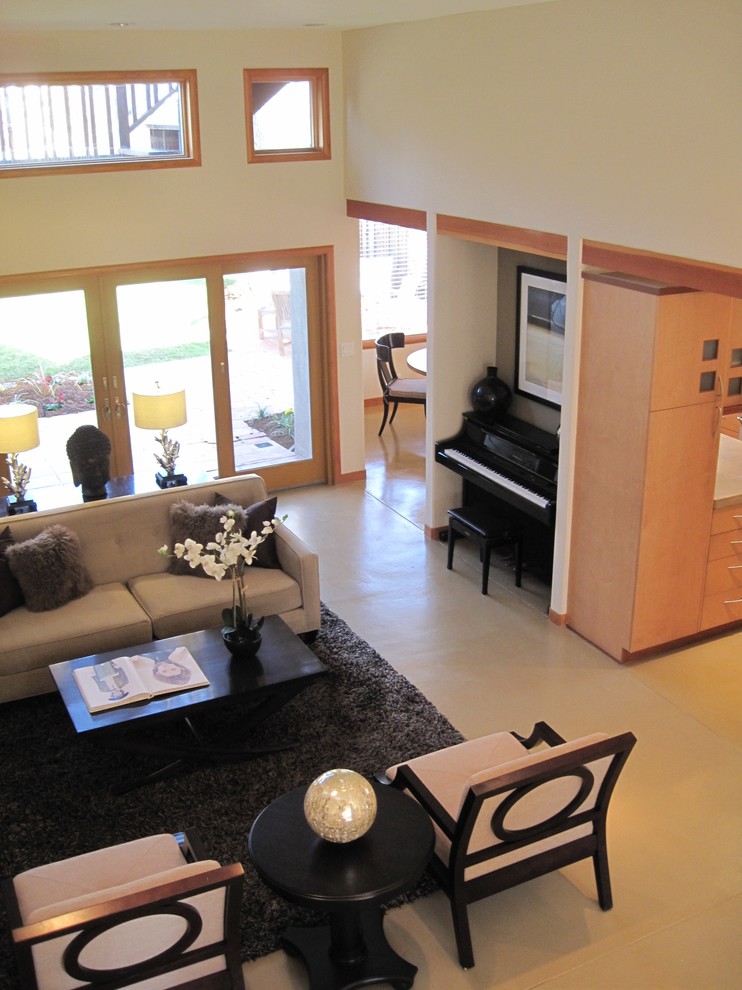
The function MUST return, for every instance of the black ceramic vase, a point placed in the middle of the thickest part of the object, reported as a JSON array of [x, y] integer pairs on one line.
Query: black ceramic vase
[[241, 643], [491, 397]]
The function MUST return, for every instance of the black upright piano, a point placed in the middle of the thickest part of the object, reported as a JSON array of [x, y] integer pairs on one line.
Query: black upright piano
[[511, 468]]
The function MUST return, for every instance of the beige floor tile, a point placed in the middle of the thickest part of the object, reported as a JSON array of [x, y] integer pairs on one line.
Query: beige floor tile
[[494, 662]]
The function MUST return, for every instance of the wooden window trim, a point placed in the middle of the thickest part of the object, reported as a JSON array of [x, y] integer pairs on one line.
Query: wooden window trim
[[502, 235], [191, 157], [397, 216], [320, 82]]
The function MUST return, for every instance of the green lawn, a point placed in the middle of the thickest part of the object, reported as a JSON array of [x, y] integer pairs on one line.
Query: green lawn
[[16, 364]]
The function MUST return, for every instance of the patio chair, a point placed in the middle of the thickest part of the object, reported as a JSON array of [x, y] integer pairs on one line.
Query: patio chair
[[276, 319], [153, 909], [504, 815], [395, 389]]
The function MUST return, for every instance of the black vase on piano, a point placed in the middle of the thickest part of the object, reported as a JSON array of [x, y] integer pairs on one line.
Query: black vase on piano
[[491, 397]]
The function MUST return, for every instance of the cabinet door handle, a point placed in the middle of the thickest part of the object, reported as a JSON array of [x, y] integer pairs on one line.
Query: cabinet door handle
[[733, 601]]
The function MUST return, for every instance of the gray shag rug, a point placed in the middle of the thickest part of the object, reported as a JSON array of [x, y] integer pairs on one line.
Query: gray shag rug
[[55, 800]]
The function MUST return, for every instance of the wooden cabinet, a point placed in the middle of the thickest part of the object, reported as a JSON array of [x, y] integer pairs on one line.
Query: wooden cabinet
[[646, 448], [691, 349], [732, 372], [722, 601]]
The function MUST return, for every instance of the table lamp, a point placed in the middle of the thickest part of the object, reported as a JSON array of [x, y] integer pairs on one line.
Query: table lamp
[[162, 411], [19, 431]]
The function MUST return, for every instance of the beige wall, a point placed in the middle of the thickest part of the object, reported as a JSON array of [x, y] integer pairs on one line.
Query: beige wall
[[75, 221], [607, 119], [611, 120]]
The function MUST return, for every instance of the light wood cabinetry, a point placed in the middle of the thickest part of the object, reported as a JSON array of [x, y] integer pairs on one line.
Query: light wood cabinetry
[[645, 461], [733, 370], [722, 601], [691, 349]]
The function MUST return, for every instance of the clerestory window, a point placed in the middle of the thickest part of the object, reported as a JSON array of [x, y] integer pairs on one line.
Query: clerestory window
[[97, 121], [287, 115]]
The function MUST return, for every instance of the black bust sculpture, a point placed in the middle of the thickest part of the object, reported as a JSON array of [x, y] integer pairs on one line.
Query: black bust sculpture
[[89, 451]]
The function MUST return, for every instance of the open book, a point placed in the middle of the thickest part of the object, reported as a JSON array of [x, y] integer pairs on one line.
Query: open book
[[146, 675]]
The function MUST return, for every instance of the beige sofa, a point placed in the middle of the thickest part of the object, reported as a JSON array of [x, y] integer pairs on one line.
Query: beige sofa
[[134, 599]]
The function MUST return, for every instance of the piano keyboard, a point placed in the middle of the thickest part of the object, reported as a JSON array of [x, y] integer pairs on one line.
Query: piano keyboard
[[500, 479]]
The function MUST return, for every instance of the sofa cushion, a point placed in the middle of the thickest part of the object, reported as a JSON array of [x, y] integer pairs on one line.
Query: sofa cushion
[[11, 595], [177, 605], [108, 618], [256, 516], [49, 569]]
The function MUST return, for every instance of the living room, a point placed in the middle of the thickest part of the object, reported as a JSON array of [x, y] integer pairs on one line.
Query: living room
[[564, 116]]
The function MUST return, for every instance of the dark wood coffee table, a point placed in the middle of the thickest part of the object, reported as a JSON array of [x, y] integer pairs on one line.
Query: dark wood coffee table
[[283, 667], [349, 881]]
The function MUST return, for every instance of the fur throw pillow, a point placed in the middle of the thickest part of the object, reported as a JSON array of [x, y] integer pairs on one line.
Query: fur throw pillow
[[199, 523], [256, 516], [49, 568]]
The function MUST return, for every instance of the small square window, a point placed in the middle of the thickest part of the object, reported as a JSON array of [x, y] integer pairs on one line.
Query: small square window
[[287, 115]]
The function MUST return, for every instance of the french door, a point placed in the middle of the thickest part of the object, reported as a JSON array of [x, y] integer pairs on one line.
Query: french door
[[244, 337], [270, 388]]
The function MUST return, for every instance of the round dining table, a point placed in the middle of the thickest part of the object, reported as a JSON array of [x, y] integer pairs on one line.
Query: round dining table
[[418, 360]]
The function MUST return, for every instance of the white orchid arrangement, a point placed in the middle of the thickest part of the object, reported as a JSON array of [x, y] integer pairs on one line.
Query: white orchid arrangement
[[227, 556]]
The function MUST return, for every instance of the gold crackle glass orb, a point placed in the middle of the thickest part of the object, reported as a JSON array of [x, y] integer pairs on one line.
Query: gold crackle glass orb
[[340, 805]]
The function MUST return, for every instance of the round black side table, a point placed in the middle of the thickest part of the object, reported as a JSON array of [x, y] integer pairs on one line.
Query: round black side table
[[349, 881]]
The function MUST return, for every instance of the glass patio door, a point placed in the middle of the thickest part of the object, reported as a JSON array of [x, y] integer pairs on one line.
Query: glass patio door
[[271, 410], [46, 360], [243, 338], [164, 335]]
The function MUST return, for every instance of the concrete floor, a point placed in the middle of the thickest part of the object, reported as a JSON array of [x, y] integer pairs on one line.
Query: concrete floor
[[495, 662]]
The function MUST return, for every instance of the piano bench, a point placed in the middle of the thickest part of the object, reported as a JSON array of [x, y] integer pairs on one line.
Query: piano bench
[[477, 523]]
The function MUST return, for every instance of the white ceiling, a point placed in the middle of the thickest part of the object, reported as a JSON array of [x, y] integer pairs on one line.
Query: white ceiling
[[231, 14]]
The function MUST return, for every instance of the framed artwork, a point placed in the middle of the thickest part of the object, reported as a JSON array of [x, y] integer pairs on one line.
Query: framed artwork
[[539, 338]]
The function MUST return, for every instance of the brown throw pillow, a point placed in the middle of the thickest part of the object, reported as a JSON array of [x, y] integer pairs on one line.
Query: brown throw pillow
[[10, 591], [199, 523], [49, 568], [255, 516]]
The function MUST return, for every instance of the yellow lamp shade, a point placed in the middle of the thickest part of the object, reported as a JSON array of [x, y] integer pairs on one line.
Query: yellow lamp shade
[[19, 427], [161, 411]]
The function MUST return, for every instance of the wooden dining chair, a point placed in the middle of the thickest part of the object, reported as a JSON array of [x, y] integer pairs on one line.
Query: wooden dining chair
[[393, 388]]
